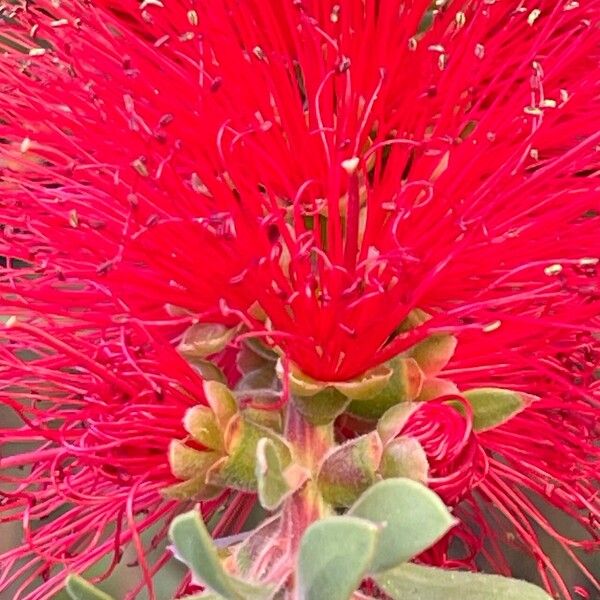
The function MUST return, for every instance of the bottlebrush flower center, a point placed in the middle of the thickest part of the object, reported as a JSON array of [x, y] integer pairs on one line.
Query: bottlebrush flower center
[[436, 443]]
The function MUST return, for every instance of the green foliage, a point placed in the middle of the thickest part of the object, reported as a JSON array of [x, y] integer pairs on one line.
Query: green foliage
[[412, 518], [80, 589], [493, 406], [334, 555], [196, 549], [348, 470], [404, 457], [272, 486], [417, 582], [403, 385]]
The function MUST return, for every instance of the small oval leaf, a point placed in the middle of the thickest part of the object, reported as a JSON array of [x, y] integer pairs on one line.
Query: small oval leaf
[[80, 589], [349, 469], [435, 387], [241, 439], [391, 423], [187, 462], [334, 555], [259, 379], [200, 422], [434, 352], [196, 549], [413, 519], [207, 370], [403, 385], [221, 401], [193, 489], [416, 582], [272, 485], [301, 385], [203, 339], [494, 406], [405, 457], [367, 386], [322, 408]]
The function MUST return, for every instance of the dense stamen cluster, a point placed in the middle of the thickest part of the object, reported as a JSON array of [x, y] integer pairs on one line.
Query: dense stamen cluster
[[456, 460]]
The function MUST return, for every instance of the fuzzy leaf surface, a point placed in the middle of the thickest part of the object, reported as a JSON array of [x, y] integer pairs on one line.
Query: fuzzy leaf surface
[[417, 582], [80, 589], [335, 553], [412, 518]]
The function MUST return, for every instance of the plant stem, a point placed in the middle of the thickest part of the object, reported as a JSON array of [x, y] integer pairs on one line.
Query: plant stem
[[309, 444], [275, 562]]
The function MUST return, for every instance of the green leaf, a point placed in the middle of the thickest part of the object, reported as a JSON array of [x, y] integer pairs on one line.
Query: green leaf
[[80, 589], [334, 555], [413, 519], [192, 489], [434, 352], [393, 420], [247, 360], [415, 318], [257, 380], [405, 457], [201, 423], [221, 401], [494, 406], [367, 386], [207, 370], [403, 385], [301, 385], [196, 549], [272, 486], [187, 462], [259, 347], [435, 387], [416, 582], [204, 339], [348, 470], [322, 408], [271, 419], [238, 470], [320, 402]]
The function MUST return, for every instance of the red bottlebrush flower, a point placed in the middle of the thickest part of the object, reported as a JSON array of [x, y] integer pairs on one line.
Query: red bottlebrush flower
[[545, 456], [310, 172], [96, 415], [455, 458]]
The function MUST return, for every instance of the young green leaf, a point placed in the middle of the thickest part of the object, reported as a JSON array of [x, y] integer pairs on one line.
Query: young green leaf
[[272, 485], [494, 406], [434, 352], [196, 549], [412, 518], [404, 457], [80, 589], [416, 582], [403, 385], [334, 555], [349, 469]]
